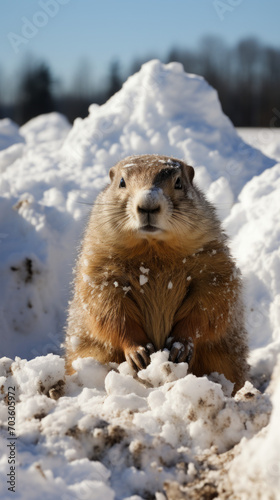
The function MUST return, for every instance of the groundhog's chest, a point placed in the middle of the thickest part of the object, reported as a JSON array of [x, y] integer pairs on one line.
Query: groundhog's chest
[[158, 294]]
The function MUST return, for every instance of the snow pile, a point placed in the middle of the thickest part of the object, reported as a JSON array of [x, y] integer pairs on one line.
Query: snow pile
[[48, 128], [35, 260], [163, 109], [112, 435], [142, 429], [9, 134]]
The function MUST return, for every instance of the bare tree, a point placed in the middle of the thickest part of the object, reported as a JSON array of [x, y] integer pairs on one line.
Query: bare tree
[[115, 80], [35, 92]]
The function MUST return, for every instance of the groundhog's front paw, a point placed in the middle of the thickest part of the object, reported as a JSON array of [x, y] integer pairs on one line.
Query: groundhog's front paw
[[138, 357], [180, 350]]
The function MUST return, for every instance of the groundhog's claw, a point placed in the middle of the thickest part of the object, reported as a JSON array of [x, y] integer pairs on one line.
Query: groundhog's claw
[[139, 357], [180, 350], [150, 348]]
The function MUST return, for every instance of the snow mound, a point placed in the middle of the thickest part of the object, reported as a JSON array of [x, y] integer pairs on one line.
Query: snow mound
[[163, 109], [33, 294], [139, 432], [9, 134], [45, 128]]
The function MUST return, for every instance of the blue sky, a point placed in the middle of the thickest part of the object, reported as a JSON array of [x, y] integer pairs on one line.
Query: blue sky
[[100, 31]]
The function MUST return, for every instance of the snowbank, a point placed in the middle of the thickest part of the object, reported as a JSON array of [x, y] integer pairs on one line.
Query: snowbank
[[38, 238], [253, 225], [111, 435], [142, 429]]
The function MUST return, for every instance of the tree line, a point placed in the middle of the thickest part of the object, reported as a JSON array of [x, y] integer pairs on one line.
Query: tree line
[[246, 77]]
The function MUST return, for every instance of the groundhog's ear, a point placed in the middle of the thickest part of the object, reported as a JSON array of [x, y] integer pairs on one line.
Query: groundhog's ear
[[112, 173], [189, 172]]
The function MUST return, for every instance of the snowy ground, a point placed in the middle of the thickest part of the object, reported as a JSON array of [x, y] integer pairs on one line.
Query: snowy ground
[[165, 434]]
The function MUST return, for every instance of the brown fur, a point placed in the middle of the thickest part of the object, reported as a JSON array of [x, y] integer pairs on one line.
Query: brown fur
[[189, 287]]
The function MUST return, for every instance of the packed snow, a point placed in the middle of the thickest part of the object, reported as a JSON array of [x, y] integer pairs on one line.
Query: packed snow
[[105, 433]]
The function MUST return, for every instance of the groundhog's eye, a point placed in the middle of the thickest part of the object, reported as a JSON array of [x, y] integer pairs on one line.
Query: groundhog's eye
[[122, 183], [178, 183]]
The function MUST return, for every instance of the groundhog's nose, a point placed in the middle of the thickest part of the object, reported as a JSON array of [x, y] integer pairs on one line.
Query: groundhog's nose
[[148, 210], [148, 201]]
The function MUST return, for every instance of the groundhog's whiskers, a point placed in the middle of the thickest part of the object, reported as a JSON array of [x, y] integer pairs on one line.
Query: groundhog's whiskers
[[102, 204], [85, 203], [181, 221], [112, 216]]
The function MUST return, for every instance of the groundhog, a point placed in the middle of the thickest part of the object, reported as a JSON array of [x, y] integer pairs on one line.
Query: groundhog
[[155, 272]]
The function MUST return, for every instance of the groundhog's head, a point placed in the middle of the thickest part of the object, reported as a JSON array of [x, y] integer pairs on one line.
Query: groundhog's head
[[152, 197]]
